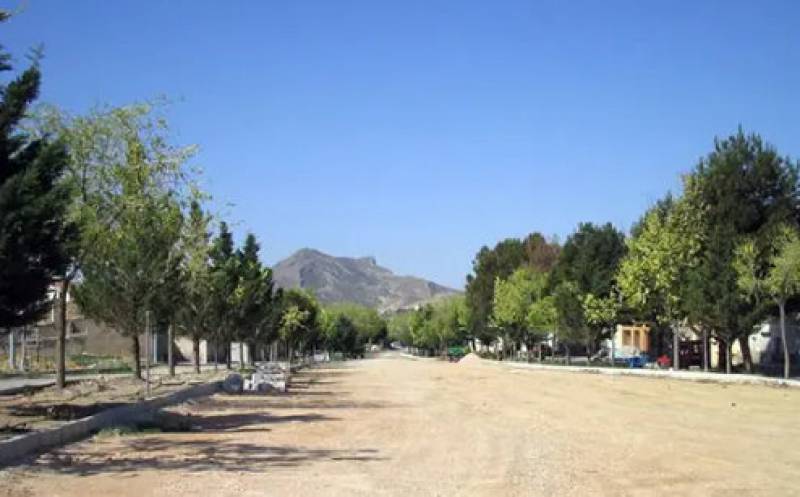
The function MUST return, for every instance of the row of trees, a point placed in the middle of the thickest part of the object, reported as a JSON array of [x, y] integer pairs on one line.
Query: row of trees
[[432, 326], [719, 259], [108, 208]]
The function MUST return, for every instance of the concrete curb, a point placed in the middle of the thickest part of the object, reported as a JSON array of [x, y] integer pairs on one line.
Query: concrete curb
[[14, 449], [700, 377]]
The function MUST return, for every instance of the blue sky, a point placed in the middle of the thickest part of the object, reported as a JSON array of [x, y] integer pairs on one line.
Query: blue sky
[[418, 131]]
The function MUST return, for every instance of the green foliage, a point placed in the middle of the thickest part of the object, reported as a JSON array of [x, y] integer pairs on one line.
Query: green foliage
[[299, 322], [779, 278], [590, 258], [522, 310], [399, 327], [134, 222], [507, 256], [745, 190], [435, 325], [34, 233], [666, 250]]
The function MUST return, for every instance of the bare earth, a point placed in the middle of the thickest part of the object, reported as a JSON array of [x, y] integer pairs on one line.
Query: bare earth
[[395, 426]]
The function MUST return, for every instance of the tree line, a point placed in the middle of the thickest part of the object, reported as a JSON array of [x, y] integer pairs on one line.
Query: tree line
[[105, 206], [719, 259]]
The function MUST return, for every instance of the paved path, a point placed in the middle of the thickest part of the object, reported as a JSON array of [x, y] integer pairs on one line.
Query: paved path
[[399, 427]]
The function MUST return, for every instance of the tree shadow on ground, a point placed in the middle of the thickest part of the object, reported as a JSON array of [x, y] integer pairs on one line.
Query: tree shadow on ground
[[235, 422], [62, 411], [197, 450], [269, 402], [190, 455]]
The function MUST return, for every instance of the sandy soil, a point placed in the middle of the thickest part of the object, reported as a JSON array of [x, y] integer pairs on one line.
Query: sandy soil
[[395, 426], [49, 407]]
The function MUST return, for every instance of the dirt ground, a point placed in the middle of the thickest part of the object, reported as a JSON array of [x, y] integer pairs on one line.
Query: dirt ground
[[396, 426], [49, 407]]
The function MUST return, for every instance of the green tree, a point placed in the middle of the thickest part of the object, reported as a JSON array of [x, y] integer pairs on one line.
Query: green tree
[[97, 145], [197, 303], [587, 265], [224, 282], [534, 251], [660, 260], [399, 327], [130, 263], [745, 189], [514, 299], [252, 297], [34, 232], [779, 280], [299, 320]]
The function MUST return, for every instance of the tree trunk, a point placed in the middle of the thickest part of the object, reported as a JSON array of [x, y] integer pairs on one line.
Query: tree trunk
[[676, 350], [170, 355], [786, 365], [137, 365], [728, 362], [241, 354], [228, 355], [251, 356], [196, 353], [216, 355], [61, 338], [747, 357], [705, 350]]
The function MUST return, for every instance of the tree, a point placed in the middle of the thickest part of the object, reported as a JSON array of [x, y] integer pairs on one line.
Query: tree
[[34, 231], [601, 314], [129, 265], [499, 262], [197, 303], [570, 320], [587, 265], [399, 327], [224, 282], [745, 189], [514, 300], [97, 145], [779, 280], [299, 321], [654, 274], [590, 258], [252, 296]]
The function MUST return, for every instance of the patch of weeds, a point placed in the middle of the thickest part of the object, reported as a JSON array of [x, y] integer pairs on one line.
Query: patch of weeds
[[116, 431]]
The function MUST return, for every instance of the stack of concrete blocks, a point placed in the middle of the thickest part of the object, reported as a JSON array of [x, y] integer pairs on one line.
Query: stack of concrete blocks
[[269, 377]]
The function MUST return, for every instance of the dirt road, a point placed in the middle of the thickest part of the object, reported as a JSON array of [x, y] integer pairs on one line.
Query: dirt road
[[395, 426]]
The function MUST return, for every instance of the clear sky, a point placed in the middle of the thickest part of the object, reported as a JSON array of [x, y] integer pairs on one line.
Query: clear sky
[[418, 131]]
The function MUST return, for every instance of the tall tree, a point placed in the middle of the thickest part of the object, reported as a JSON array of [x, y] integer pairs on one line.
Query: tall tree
[[779, 280], [515, 306], [661, 258], [745, 189], [490, 264], [97, 144], [299, 320], [131, 262], [197, 303], [587, 265], [34, 233], [225, 280], [252, 296]]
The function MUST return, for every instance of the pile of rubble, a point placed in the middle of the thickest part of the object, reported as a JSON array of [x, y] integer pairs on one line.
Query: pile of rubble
[[268, 377]]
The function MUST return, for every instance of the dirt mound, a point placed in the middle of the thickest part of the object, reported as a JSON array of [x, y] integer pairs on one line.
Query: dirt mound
[[471, 358]]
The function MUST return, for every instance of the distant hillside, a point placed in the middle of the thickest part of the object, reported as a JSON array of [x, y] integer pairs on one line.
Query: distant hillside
[[361, 280]]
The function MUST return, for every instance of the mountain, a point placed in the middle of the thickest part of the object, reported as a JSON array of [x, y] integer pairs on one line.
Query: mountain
[[360, 280]]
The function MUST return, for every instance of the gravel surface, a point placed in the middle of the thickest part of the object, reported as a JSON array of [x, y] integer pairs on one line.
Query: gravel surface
[[393, 426]]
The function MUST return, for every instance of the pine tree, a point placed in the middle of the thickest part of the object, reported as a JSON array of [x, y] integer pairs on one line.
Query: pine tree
[[32, 204]]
